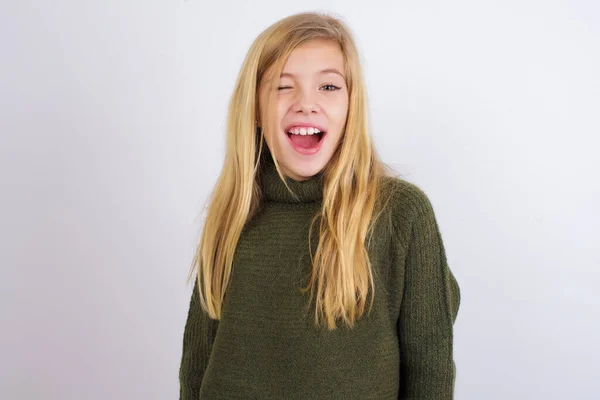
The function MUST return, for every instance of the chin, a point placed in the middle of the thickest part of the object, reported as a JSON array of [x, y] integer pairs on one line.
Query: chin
[[306, 170], [302, 165]]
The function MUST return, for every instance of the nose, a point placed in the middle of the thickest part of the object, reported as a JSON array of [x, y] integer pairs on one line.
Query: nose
[[305, 102]]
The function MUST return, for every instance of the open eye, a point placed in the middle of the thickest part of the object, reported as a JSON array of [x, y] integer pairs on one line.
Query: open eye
[[332, 87]]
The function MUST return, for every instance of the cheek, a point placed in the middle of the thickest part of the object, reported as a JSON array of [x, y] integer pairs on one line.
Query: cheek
[[282, 108], [339, 112]]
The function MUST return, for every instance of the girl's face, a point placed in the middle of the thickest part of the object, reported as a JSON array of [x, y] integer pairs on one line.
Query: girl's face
[[312, 94]]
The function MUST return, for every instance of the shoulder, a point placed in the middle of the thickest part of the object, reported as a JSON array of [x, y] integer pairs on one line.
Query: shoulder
[[407, 199], [406, 202]]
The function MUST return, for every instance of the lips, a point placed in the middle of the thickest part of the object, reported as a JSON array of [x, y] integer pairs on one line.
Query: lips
[[307, 145]]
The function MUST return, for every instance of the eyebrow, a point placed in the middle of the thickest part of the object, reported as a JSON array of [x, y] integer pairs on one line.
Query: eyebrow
[[324, 71]]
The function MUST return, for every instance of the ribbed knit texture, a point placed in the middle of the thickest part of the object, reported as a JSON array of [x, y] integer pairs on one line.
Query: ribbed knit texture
[[266, 347]]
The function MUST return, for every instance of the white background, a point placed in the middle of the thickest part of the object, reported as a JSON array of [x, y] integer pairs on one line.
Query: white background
[[112, 119]]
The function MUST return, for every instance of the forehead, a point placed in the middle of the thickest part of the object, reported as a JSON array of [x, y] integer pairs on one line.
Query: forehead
[[314, 56]]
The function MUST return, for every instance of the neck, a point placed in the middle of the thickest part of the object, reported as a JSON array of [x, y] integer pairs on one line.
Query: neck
[[274, 189]]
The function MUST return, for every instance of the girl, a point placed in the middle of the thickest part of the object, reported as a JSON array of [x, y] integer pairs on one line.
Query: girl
[[318, 274]]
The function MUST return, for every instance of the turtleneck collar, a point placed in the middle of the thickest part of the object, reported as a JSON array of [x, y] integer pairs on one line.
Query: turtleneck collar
[[275, 190]]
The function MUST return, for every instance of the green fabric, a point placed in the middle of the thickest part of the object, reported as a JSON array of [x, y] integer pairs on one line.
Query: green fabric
[[266, 346]]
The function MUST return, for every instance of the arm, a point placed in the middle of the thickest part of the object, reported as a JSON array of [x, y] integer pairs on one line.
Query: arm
[[430, 303], [198, 338]]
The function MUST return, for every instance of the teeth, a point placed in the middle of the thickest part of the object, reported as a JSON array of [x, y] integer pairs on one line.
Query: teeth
[[304, 131]]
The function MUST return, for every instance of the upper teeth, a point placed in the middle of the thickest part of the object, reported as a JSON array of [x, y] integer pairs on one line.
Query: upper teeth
[[304, 131]]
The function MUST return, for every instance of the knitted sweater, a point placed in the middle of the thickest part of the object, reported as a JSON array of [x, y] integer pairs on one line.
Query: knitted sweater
[[266, 346]]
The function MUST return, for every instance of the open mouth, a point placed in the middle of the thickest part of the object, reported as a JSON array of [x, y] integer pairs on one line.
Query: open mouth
[[306, 141]]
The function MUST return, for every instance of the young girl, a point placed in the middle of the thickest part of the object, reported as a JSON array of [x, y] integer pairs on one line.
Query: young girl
[[318, 274]]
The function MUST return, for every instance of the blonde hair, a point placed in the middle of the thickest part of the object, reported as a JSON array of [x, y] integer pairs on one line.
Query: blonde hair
[[341, 270]]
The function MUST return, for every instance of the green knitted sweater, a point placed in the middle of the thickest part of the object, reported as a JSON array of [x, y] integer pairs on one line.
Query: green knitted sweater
[[266, 346]]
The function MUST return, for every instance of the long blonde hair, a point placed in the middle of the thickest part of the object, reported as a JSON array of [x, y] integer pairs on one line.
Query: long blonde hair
[[341, 270]]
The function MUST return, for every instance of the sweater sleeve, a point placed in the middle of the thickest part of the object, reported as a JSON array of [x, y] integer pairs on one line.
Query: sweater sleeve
[[431, 298], [198, 337]]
